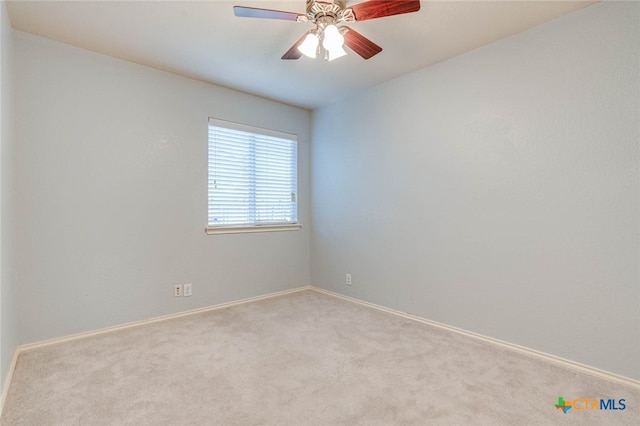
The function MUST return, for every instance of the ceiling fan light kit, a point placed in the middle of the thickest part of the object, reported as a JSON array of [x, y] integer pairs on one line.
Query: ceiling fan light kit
[[324, 41], [327, 40], [309, 46]]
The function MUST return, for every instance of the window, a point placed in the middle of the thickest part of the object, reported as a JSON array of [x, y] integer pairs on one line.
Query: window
[[252, 179]]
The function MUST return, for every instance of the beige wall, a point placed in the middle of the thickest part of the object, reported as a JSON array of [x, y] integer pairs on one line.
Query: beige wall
[[112, 193], [8, 285], [498, 191]]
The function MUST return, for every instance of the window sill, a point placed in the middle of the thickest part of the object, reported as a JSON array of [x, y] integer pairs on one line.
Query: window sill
[[210, 230]]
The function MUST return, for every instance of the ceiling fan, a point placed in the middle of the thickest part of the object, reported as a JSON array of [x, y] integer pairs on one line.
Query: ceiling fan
[[327, 39]]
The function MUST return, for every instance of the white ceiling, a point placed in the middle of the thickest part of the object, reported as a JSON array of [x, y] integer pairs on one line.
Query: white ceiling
[[205, 41]]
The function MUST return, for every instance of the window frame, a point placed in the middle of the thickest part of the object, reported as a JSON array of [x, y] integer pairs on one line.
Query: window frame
[[251, 227]]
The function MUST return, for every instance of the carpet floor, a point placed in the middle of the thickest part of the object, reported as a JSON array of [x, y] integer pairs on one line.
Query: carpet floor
[[304, 358]]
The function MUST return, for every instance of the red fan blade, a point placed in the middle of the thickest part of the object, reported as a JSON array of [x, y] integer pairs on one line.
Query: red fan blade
[[294, 53], [360, 44], [253, 12], [380, 8]]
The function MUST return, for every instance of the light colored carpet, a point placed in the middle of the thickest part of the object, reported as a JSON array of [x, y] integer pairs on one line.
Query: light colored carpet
[[304, 358]]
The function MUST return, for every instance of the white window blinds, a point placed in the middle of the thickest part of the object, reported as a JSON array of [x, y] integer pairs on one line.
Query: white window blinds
[[252, 176]]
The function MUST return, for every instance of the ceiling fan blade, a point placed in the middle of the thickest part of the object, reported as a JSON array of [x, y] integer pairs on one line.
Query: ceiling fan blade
[[380, 8], [294, 53], [253, 12], [360, 44]]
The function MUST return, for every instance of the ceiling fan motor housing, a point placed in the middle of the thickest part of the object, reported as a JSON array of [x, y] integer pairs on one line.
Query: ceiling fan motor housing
[[327, 12]]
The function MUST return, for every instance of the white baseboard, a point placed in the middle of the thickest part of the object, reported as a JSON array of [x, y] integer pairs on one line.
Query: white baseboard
[[7, 381], [511, 346], [156, 319]]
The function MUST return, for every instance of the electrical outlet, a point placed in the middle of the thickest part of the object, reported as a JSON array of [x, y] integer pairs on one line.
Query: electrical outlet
[[177, 290], [187, 290], [347, 279]]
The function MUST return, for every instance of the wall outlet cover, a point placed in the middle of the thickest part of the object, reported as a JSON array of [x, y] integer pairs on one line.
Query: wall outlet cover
[[177, 290]]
